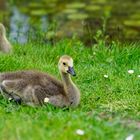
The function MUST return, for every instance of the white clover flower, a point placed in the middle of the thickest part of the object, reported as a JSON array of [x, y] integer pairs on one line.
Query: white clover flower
[[46, 100], [138, 76], [130, 137], [105, 76], [9, 98], [80, 132], [130, 71]]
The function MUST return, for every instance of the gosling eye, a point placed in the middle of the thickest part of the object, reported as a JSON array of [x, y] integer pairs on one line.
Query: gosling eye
[[64, 63]]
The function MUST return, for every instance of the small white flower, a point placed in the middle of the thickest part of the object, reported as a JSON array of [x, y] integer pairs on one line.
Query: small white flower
[[46, 100], [80, 132], [9, 98], [138, 76], [130, 71], [130, 137], [105, 76]]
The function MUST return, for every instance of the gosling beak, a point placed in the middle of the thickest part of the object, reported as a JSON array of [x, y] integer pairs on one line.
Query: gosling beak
[[71, 71]]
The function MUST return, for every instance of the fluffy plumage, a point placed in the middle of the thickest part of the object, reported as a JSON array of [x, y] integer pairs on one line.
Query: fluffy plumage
[[32, 87], [5, 45]]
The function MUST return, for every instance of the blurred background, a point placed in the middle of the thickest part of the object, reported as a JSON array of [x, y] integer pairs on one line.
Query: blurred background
[[87, 20]]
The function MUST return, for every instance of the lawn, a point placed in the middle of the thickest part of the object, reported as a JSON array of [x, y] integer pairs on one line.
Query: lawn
[[110, 96]]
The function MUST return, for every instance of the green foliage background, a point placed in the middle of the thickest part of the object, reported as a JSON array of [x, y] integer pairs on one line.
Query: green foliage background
[[109, 108]]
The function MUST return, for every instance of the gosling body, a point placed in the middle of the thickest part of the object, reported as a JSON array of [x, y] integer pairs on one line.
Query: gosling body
[[33, 87], [5, 45]]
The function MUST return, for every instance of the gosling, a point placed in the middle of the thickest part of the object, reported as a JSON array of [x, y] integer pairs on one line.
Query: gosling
[[35, 88], [5, 45]]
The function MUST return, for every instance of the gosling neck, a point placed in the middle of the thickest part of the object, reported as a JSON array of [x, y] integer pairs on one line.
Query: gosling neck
[[71, 90], [66, 79], [2, 36]]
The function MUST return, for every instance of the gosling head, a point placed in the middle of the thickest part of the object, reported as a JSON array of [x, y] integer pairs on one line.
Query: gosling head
[[2, 30], [66, 65]]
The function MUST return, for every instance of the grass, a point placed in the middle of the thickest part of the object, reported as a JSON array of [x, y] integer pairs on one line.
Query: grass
[[109, 108]]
